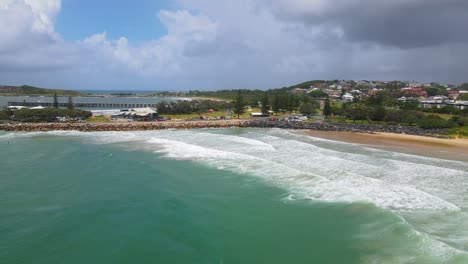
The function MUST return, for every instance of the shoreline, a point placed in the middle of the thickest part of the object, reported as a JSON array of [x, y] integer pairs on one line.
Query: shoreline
[[442, 148], [124, 126], [408, 140], [252, 123]]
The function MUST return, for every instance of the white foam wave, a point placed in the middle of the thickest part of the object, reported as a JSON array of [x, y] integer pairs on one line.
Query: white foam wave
[[346, 187], [315, 169]]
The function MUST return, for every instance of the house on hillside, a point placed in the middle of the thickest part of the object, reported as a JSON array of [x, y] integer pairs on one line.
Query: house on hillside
[[347, 98], [415, 91]]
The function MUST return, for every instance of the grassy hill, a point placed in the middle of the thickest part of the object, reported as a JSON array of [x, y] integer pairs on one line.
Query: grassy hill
[[251, 96], [31, 90]]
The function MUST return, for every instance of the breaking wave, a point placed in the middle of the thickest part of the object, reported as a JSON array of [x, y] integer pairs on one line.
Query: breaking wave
[[413, 187]]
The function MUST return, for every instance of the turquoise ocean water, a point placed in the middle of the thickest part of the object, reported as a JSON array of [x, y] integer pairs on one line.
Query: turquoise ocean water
[[225, 196]]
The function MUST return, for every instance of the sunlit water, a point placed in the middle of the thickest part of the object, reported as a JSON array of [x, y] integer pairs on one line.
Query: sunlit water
[[225, 196]]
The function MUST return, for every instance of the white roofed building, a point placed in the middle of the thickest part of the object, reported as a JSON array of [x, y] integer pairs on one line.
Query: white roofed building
[[138, 114]]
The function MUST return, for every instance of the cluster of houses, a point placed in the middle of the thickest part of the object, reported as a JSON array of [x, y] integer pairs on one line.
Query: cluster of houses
[[438, 101], [344, 90], [347, 91]]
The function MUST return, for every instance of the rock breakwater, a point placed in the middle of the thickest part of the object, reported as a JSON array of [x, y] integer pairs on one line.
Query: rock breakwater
[[347, 127], [131, 126]]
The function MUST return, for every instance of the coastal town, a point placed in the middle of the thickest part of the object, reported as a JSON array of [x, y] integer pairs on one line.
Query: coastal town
[[423, 108], [234, 132], [427, 94]]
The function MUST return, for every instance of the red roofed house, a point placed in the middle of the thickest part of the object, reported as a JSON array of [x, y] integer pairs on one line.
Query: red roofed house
[[418, 91]]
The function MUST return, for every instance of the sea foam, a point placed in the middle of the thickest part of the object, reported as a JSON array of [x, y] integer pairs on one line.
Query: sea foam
[[321, 170]]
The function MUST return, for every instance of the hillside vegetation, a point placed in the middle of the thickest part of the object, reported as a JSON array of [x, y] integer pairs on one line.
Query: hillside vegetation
[[31, 90]]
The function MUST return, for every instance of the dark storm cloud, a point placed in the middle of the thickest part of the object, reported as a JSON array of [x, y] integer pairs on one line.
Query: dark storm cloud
[[400, 23]]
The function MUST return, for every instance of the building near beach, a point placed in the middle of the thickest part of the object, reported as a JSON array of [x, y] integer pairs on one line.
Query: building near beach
[[138, 114], [254, 115], [443, 103]]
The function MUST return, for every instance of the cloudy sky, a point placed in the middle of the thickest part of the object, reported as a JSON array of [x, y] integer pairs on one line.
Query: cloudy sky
[[213, 44]]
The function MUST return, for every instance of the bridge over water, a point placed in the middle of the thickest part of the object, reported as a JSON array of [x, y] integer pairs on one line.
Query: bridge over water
[[84, 105]]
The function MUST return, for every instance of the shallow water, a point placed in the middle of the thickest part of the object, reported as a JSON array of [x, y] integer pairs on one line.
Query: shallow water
[[225, 196]]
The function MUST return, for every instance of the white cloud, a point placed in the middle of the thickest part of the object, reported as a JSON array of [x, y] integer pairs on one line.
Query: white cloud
[[189, 27], [222, 44], [45, 12], [163, 56]]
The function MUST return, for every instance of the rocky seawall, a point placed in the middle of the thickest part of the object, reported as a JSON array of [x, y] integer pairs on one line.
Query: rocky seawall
[[132, 126], [348, 127]]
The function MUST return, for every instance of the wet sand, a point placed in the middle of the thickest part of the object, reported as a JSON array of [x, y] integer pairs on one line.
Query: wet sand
[[452, 149]]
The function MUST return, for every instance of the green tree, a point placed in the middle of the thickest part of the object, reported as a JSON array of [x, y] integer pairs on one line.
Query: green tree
[[70, 103], [434, 121], [318, 94], [4, 115], [409, 105], [239, 104], [292, 102], [433, 91], [378, 113], [308, 109], [358, 112], [460, 120], [412, 117], [336, 110], [394, 116], [276, 105], [379, 98], [56, 104], [284, 103], [463, 97], [49, 114], [327, 108], [265, 104]]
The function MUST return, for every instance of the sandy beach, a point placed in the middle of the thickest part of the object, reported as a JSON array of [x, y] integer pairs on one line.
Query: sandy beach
[[453, 149]]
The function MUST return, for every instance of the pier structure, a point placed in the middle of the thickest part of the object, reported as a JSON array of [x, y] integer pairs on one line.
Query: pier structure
[[84, 105]]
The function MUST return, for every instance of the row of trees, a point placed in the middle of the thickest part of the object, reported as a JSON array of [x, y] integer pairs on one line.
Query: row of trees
[[69, 104], [280, 102], [44, 115], [363, 112], [190, 107]]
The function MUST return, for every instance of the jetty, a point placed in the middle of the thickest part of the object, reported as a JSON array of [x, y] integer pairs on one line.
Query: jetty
[[84, 105]]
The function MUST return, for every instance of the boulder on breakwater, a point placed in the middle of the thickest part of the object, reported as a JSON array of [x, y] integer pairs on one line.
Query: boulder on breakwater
[[347, 127], [132, 126]]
